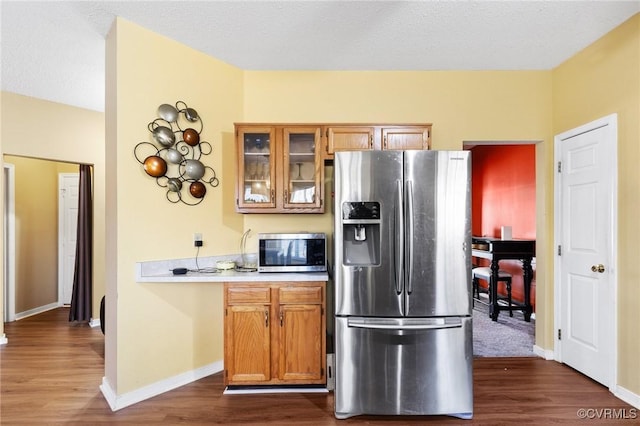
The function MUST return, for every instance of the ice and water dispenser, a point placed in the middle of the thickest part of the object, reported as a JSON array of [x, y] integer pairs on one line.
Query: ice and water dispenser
[[361, 233]]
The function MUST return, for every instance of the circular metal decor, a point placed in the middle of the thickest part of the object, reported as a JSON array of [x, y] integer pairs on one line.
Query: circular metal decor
[[173, 154]]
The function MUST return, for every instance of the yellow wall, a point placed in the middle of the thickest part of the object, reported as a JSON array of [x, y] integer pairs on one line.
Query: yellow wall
[[36, 219], [604, 79], [161, 330]]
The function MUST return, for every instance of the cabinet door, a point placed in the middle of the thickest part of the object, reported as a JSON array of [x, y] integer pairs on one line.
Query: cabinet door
[[256, 168], [399, 138], [247, 344], [302, 339], [302, 168], [349, 138], [301, 336]]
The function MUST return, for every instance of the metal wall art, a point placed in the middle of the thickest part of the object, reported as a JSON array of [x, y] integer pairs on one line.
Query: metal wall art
[[175, 163]]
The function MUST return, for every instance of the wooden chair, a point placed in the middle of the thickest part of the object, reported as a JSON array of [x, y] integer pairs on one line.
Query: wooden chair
[[484, 273]]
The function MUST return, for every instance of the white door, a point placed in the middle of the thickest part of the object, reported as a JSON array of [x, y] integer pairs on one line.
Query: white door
[[68, 184], [586, 208]]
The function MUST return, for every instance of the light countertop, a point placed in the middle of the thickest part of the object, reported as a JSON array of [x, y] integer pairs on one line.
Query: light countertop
[[160, 272]]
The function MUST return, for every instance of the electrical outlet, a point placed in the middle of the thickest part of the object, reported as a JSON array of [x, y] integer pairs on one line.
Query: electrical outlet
[[197, 240]]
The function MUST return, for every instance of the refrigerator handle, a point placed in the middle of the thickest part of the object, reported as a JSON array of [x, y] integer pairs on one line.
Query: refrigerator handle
[[409, 243], [399, 232], [355, 323]]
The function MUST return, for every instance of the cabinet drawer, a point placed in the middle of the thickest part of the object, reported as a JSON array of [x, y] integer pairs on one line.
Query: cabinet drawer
[[300, 294], [248, 295]]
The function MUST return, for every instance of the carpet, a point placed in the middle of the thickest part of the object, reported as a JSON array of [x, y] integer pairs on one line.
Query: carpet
[[507, 337]]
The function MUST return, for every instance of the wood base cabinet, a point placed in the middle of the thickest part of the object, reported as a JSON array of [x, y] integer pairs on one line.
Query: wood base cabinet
[[275, 333]]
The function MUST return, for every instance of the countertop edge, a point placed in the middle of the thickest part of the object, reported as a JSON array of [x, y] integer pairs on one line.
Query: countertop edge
[[158, 272]]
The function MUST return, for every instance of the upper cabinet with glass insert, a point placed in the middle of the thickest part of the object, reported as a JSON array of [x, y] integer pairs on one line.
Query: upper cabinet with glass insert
[[280, 169]]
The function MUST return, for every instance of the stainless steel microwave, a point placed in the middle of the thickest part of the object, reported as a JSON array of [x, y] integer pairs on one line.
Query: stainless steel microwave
[[297, 252]]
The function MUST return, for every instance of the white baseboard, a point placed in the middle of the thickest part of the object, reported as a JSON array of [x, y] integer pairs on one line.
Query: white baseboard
[[543, 353], [117, 402], [627, 396], [268, 389], [3, 339], [94, 322], [36, 311]]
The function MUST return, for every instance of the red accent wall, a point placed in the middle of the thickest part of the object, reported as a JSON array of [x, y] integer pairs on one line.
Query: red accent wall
[[504, 190], [504, 194]]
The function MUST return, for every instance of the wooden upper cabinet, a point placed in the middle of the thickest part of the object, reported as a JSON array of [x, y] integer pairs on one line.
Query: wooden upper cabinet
[[360, 137], [280, 169], [303, 168], [399, 138], [256, 185], [349, 138]]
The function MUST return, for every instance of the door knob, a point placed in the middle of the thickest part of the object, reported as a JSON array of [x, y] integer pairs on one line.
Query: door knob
[[598, 268]]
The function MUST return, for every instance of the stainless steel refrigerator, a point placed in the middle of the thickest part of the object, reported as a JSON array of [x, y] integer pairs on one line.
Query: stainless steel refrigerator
[[403, 341]]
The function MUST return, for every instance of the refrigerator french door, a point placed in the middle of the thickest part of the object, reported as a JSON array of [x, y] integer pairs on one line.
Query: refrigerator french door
[[403, 329]]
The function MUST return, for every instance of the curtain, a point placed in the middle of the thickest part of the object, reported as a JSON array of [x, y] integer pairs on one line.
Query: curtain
[[82, 294]]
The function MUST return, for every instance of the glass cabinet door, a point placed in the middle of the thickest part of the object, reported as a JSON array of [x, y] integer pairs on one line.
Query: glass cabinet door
[[256, 168], [302, 167]]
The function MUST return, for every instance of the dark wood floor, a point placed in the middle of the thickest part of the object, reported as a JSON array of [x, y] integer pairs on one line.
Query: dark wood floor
[[50, 372]]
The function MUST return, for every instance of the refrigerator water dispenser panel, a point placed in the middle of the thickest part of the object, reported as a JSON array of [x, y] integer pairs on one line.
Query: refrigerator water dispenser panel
[[361, 233]]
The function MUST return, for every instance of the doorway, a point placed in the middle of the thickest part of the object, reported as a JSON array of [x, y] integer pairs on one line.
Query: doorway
[[504, 194], [32, 227]]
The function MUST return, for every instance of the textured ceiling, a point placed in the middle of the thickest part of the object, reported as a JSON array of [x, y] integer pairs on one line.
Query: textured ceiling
[[54, 50]]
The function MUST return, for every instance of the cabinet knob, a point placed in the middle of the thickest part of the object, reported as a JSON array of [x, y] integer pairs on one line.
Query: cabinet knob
[[281, 318], [266, 318]]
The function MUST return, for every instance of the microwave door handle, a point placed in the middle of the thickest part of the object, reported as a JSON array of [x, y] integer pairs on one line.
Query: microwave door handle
[[399, 233], [409, 241]]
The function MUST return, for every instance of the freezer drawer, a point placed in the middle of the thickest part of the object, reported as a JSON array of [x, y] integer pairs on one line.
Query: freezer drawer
[[423, 368]]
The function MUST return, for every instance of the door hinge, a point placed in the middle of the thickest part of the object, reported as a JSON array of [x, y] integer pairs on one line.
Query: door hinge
[[559, 334], [559, 166], [559, 250], [321, 371], [226, 312]]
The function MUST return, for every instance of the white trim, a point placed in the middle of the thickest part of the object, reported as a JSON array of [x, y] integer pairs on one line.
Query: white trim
[[117, 402], [627, 396], [611, 121], [543, 353], [36, 311], [94, 322], [108, 393], [3, 339], [267, 389], [9, 244]]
